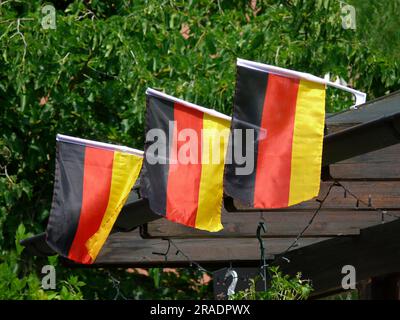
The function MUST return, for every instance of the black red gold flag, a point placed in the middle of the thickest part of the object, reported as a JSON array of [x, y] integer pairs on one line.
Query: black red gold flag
[[92, 183], [285, 111], [187, 187]]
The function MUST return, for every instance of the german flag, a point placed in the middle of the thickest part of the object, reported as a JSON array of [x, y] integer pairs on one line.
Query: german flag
[[182, 174], [287, 114], [92, 183]]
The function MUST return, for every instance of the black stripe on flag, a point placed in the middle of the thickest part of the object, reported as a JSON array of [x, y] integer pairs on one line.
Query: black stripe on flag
[[248, 105], [67, 197], [154, 177]]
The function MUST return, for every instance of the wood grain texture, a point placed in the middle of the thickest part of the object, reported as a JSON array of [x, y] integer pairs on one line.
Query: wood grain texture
[[128, 249], [278, 224], [375, 252], [384, 194], [382, 164]]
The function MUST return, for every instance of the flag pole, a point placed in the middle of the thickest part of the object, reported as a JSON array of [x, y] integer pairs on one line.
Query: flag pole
[[360, 96], [97, 144], [212, 112]]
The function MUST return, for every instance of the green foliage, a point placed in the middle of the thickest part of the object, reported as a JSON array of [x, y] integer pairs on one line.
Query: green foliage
[[87, 78], [281, 287], [17, 283], [130, 284], [21, 279], [378, 26]]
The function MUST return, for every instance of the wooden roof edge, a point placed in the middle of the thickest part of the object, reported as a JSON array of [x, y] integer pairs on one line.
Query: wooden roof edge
[[360, 139], [371, 110], [372, 253]]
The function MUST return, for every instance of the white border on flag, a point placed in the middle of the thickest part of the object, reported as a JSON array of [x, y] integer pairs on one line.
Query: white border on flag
[[360, 96], [212, 112], [101, 145]]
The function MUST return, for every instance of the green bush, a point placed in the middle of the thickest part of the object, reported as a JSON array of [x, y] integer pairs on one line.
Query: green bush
[[281, 287], [21, 279], [17, 283]]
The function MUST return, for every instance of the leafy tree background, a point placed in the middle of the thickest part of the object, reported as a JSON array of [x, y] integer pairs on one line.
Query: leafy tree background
[[87, 78]]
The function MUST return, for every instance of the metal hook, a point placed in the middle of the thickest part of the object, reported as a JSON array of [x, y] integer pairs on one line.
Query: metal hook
[[231, 273]]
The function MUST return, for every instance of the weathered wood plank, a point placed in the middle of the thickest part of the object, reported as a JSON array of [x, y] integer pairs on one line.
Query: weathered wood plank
[[384, 194], [378, 165], [361, 139], [278, 224], [128, 249], [384, 156], [372, 110], [333, 128], [365, 171], [375, 252], [134, 213]]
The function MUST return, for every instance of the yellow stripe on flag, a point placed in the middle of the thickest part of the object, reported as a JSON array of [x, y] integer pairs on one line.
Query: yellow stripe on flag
[[125, 171], [215, 137], [307, 142]]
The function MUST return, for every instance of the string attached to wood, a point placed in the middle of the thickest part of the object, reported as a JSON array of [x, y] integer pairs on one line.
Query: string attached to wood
[[359, 201], [296, 240]]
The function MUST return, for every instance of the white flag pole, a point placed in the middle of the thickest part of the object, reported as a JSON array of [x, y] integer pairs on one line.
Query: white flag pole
[[360, 96], [212, 112], [96, 144]]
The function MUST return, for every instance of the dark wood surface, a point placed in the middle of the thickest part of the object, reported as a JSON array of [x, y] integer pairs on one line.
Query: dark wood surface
[[372, 177], [372, 110], [375, 252], [383, 164], [361, 139], [130, 249], [328, 223], [384, 194]]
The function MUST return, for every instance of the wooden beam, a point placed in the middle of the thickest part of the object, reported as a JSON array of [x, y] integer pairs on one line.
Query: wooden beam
[[383, 194], [372, 110], [129, 249], [278, 224], [375, 165], [361, 139], [375, 252], [135, 213]]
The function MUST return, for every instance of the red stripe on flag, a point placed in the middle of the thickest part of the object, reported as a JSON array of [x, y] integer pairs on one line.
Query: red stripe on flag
[[97, 174], [272, 182], [184, 178]]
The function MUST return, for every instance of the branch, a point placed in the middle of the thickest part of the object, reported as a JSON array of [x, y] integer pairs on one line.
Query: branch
[[22, 37], [6, 174]]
